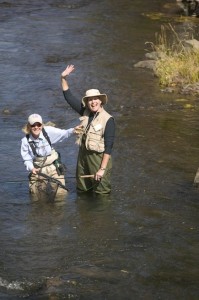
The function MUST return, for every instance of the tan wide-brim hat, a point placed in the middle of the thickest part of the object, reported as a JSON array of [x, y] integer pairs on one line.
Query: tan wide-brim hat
[[94, 93]]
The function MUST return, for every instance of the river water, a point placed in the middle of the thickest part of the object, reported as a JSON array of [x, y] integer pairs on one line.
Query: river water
[[141, 242]]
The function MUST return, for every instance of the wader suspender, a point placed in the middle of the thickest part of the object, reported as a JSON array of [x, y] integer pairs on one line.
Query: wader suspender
[[32, 144]]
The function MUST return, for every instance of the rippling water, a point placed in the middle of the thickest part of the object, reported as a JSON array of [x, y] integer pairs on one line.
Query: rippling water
[[142, 241]]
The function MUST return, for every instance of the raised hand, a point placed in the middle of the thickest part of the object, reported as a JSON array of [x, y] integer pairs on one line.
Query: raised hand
[[67, 71]]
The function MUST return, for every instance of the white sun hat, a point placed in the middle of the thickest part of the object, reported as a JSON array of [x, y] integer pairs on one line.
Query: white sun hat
[[94, 93], [34, 118]]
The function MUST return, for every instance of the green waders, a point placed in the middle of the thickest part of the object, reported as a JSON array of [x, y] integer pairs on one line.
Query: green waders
[[89, 163]]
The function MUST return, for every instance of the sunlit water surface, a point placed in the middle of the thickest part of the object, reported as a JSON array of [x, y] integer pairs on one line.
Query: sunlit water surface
[[141, 242]]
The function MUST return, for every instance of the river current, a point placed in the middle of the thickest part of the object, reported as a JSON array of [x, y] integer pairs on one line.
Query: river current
[[141, 242]]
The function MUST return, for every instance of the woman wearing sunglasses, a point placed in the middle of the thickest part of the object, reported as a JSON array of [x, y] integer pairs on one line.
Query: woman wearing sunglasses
[[39, 156]]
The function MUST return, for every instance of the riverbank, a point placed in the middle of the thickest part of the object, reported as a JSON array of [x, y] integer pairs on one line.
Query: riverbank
[[174, 61]]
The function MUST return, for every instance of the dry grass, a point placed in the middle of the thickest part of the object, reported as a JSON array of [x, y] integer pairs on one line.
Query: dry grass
[[177, 64]]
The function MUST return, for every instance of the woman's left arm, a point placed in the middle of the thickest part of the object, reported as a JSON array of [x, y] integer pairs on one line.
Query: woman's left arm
[[109, 136], [58, 135]]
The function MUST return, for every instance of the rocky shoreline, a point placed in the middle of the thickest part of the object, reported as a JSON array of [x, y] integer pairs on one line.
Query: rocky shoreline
[[151, 61], [190, 7]]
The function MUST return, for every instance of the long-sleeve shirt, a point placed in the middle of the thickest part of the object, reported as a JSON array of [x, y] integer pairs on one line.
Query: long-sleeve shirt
[[109, 132], [41, 144]]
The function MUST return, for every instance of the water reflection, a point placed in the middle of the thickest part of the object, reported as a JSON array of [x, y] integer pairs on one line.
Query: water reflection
[[142, 241]]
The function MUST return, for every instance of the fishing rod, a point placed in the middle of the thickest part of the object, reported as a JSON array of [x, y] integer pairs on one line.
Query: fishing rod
[[25, 180], [54, 180], [42, 174]]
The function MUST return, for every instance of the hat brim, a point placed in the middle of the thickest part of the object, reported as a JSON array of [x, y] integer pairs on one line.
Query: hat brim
[[102, 97]]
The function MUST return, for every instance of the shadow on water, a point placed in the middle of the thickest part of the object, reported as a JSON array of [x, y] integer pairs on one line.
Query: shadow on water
[[142, 241]]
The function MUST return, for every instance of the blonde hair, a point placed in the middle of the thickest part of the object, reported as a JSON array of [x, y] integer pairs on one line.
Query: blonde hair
[[27, 127]]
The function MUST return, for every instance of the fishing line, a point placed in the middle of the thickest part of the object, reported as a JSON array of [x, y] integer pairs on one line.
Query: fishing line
[[26, 180]]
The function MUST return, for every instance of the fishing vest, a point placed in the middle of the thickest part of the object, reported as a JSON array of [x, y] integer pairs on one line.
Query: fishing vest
[[95, 132]]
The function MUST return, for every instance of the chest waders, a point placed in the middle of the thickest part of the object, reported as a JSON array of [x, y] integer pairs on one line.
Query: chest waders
[[89, 162], [43, 185]]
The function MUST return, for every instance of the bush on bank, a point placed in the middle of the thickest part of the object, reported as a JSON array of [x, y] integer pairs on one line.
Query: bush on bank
[[177, 64]]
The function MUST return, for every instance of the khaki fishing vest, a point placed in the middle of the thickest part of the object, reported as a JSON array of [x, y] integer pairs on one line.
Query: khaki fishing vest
[[95, 134]]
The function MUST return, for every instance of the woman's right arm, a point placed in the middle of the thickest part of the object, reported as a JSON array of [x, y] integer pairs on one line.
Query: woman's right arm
[[66, 72], [27, 157], [72, 100]]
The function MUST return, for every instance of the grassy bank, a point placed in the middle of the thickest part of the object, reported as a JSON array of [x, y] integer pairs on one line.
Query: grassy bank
[[177, 64]]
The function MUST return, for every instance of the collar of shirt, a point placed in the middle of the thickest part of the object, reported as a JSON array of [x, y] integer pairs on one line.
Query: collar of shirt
[[39, 138]]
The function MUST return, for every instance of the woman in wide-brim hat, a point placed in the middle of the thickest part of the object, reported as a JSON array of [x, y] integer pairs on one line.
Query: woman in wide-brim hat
[[95, 138]]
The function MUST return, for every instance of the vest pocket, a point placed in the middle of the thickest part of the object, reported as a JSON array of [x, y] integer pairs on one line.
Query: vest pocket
[[95, 144]]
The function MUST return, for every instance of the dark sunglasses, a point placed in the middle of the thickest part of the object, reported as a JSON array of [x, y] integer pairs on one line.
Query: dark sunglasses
[[36, 124]]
